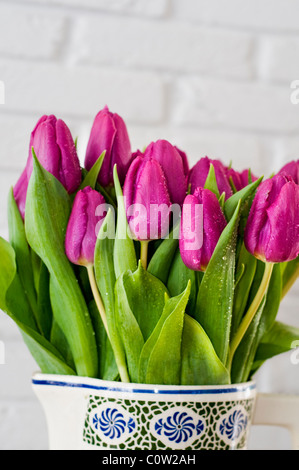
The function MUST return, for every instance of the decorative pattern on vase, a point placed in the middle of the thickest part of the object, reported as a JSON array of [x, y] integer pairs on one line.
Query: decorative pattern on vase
[[112, 424], [177, 428], [150, 425], [233, 425]]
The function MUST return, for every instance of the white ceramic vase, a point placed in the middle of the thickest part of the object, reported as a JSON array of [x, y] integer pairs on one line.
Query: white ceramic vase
[[85, 413]]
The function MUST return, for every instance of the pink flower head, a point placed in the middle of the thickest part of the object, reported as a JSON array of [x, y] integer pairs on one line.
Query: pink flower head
[[201, 226], [109, 133], [87, 216], [272, 230]]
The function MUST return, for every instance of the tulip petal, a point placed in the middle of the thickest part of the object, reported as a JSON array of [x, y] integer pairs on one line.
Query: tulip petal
[[283, 225], [69, 167], [81, 235], [200, 171], [147, 199], [173, 166], [20, 192], [109, 133], [272, 227], [201, 226], [291, 169]]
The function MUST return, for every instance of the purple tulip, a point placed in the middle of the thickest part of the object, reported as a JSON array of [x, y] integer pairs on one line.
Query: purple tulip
[[240, 179], [201, 226], [147, 199], [56, 151], [84, 225], [109, 133], [272, 230], [199, 173], [291, 169], [184, 160], [175, 167], [20, 192]]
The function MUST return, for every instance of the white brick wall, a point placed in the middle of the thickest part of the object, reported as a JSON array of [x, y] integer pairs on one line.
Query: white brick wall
[[213, 77]]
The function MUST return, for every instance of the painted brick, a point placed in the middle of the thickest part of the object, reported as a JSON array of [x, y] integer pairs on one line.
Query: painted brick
[[29, 33], [17, 371], [152, 8], [239, 105], [197, 143], [279, 59], [81, 91], [23, 426], [170, 46], [15, 133], [14, 140], [280, 15]]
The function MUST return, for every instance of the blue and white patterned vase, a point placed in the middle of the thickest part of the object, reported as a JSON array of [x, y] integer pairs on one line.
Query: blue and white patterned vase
[[94, 414]]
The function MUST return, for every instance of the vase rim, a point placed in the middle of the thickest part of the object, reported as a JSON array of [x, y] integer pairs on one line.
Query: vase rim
[[40, 379]]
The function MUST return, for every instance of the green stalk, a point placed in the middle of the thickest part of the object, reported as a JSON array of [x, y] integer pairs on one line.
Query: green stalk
[[120, 362], [245, 323], [97, 297], [144, 253]]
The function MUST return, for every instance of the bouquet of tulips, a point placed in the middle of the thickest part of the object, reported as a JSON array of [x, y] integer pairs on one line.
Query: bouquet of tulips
[[138, 268]]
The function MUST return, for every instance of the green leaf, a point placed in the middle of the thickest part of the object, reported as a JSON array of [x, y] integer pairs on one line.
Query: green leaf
[[262, 322], [200, 363], [161, 260], [18, 241], [92, 176], [44, 353], [107, 364], [178, 278], [8, 270], [290, 275], [211, 182], [17, 303], [45, 313], [244, 355], [47, 213], [146, 298], [247, 263], [279, 339], [216, 291], [160, 360], [244, 194], [105, 278], [59, 341], [124, 250], [128, 327]]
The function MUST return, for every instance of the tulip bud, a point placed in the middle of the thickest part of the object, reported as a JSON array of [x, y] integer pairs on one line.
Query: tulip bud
[[56, 151], [84, 225], [109, 133], [175, 167], [199, 173], [291, 169], [147, 199], [240, 179], [201, 226], [20, 192], [272, 230], [184, 160]]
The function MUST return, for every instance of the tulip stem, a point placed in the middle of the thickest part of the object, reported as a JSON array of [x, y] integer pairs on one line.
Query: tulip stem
[[144, 253], [247, 319], [122, 369], [97, 297]]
